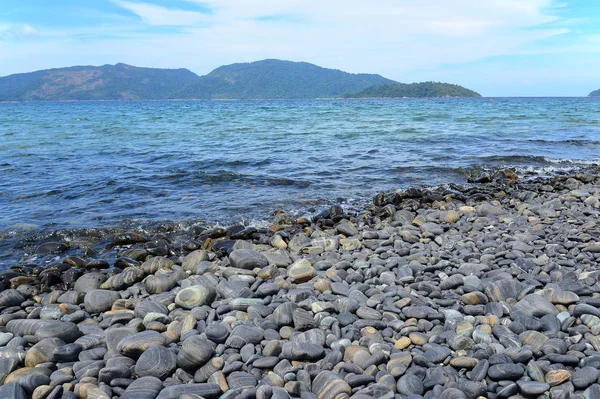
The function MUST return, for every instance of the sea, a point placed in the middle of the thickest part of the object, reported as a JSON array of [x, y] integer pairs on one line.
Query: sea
[[73, 168]]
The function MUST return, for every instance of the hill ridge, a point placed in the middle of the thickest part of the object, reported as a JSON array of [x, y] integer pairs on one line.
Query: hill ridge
[[421, 89], [265, 79]]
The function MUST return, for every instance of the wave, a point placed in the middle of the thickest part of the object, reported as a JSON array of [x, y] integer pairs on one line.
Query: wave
[[517, 160], [572, 142], [512, 159]]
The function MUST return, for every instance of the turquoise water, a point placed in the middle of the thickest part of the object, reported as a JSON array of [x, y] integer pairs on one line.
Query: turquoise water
[[79, 165]]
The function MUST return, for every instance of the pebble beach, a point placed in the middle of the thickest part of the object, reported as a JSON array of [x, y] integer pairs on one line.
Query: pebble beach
[[481, 290]]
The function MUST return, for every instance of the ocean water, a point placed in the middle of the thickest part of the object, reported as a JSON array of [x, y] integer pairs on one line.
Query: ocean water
[[93, 165]]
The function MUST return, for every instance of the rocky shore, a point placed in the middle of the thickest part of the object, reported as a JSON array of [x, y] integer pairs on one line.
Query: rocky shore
[[483, 290]]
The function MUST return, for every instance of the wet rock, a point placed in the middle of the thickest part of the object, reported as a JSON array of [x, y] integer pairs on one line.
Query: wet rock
[[126, 278], [52, 248]]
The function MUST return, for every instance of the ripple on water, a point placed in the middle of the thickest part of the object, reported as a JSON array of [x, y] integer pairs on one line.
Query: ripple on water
[[105, 163]]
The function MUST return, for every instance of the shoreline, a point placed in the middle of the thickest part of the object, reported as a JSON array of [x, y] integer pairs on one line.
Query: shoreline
[[457, 291], [96, 238]]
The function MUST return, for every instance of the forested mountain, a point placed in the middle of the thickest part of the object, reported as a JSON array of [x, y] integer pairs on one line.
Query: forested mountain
[[595, 93], [424, 89], [267, 79], [107, 82], [278, 79]]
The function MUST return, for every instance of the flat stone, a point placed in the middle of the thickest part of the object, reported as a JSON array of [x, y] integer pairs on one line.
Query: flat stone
[[505, 371], [247, 259], [98, 301], [533, 388]]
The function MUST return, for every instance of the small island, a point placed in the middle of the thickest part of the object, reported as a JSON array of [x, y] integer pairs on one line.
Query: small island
[[423, 89], [595, 93]]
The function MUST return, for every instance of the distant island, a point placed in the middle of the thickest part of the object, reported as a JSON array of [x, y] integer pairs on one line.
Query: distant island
[[424, 89], [595, 93], [266, 79]]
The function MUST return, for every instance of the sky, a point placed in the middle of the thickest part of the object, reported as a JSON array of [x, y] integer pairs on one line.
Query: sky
[[496, 47]]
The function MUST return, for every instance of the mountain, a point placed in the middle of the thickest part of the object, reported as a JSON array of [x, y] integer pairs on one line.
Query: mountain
[[278, 79], [595, 93], [424, 89], [255, 80], [107, 82]]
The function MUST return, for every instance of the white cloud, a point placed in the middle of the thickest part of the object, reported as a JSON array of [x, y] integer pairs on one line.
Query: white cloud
[[17, 31], [156, 15], [400, 39], [390, 37], [28, 30]]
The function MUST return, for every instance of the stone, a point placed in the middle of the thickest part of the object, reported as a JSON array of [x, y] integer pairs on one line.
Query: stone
[[10, 298], [156, 361], [557, 377], [143, 388], [301, 271], [192, 260], [195, 352], [535, 306], [302, 351], [207, 391], [42, 352], [196, 295], [504, 289], [328, 385], [125, 279], [584, 377], [135, 345], [244, 334], [410, 384], [247, 259], [13, 391], [505, 371], [98, 301], [533, 388], [464, 362], [40, 329], [347, 228]]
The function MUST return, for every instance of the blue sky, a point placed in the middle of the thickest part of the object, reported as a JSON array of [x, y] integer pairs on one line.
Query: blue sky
[[497, 47]]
